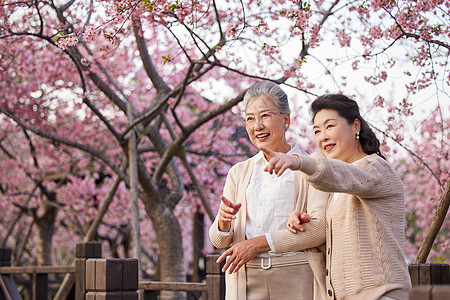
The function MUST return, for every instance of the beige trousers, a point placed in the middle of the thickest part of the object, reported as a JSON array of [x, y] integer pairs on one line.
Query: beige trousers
[[289, 277]]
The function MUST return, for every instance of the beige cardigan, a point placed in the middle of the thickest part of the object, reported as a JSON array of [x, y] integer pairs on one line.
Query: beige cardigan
[[365, 227], [313, 237]]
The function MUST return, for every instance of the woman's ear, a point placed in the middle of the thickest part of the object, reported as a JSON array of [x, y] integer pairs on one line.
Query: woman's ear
[[357, 125], [287, 120]]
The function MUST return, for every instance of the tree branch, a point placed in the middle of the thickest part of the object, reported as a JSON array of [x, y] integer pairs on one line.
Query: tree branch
[[435, 226], [95, 224], [175, 146], [84, 148], [159, 83], [194, 180], [410, 152]]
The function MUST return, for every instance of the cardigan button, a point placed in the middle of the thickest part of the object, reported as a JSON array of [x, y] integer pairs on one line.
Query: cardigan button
[[326, 272], [330, 293]]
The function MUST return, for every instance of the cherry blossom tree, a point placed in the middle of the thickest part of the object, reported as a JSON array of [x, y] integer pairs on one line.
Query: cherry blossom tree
[[79, 78]]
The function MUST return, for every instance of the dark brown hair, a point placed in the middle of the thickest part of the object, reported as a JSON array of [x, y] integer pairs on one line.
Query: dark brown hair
[[349, 110]]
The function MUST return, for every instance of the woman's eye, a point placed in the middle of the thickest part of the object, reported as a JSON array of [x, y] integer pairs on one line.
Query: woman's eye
[[330, 126], [316, 132], [249, 119], [265, 116]]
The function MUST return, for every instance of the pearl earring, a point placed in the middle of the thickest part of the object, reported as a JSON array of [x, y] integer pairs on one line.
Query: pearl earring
[[357, 135]]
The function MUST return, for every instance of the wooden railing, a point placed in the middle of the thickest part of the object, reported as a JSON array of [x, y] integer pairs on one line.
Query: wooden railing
[[429, 281], [93, 278], [73, 283], [212, 288]]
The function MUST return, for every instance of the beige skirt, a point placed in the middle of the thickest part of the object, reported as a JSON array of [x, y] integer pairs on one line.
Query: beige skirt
[[283, 277]]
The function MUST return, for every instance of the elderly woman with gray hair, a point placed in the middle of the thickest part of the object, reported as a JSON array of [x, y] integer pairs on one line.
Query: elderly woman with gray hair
[[266, 261]]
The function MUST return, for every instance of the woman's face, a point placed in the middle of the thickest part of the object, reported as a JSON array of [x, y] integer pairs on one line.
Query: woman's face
[[265, 124], [335, 137]]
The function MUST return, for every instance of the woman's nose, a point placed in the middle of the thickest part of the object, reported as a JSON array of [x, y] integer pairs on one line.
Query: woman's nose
[[258, 125], [324, 136]]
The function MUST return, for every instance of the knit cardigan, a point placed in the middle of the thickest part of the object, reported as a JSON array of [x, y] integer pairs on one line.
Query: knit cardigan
[[365, 227], [311, 240]]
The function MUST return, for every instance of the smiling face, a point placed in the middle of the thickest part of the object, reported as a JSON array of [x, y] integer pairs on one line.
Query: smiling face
[[265, 124], [335, 137]]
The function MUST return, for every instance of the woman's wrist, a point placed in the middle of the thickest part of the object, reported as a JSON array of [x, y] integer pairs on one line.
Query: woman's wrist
[[224, 226], [299, 161]]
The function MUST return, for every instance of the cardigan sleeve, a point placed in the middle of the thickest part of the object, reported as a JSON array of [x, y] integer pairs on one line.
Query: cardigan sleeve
[[229, 191], [369, 177], [314, 234]]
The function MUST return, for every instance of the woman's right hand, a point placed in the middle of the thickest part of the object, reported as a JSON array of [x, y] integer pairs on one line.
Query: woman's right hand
[[296, 218], [227, 213], [280, 162]]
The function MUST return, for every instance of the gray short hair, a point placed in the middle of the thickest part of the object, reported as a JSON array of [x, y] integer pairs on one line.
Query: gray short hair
[[266, 87]]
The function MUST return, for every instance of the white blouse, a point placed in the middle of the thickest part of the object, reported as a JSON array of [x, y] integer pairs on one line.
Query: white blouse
[[270, 199]]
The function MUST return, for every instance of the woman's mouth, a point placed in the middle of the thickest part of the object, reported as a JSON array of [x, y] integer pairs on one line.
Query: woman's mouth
[[262, 135], [329, 147]]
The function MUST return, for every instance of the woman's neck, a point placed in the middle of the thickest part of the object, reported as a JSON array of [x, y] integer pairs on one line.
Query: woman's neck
[[359, 153], [285, 148]]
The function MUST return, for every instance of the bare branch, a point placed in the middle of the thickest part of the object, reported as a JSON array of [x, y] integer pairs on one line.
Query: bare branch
[[410, 152]]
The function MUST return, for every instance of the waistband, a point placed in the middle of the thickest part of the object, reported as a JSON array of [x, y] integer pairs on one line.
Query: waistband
[[271, 254], [277, 261]]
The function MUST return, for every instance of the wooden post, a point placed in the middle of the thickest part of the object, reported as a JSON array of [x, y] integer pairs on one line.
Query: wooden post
[[426, 274], [109, 279], [5, 257], [40, 286], [8, 289], [5, 261], [199, 243], [215, 278], [84, 251], [150, 295]]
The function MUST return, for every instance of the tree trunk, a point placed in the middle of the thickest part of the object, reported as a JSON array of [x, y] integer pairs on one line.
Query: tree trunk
[[46, 229], [45, 218], [171, 257]]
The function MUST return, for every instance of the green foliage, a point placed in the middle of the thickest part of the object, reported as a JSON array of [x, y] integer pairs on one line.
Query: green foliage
[[147, 5]]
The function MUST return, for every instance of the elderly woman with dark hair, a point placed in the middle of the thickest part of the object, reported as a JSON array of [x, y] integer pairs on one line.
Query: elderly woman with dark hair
[[365, 217], [266, 261]]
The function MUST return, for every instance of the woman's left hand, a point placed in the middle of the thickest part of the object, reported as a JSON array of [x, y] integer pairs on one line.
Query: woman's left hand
[[241, 253]]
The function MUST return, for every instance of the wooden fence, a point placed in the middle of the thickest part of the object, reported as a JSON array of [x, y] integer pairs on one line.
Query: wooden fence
[[429, 282], [95, 278]]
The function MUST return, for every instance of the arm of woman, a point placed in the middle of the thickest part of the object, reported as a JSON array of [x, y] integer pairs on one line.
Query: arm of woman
[[221, 232], [368, 177], [313, 234], [241, 253], [283, 240]]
